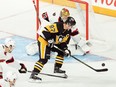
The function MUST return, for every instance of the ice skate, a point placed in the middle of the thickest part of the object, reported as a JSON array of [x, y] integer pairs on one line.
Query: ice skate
[[34, 78], [58, 70]]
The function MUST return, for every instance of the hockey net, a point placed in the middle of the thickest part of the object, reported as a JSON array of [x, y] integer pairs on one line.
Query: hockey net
[[85, 18], [86, 21], [79, 12]]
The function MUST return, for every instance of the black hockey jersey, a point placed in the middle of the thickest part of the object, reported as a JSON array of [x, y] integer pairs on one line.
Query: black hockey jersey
[[57, 32]]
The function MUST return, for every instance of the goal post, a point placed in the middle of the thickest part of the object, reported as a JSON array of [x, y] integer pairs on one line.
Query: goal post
[[36, 6], [86, 8]]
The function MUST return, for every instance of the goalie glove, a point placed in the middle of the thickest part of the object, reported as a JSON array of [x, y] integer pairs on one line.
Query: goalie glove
[[45, 16], [51, 43], [75, 32], [1, 76], [67, 53], [23, 69]]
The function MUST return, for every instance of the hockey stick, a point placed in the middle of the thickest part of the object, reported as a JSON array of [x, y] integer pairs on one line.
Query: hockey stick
[[97, 70], [65, 76], [78, 47]]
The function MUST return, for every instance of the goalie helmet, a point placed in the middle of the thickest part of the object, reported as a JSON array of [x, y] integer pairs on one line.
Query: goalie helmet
[[71, 21], [64, 12], [9, 42]]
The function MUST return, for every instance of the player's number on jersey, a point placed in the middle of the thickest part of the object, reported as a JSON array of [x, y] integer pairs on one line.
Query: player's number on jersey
[[52, 28]]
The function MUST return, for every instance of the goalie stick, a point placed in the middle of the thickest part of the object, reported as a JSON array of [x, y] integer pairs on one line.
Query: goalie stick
[[78, 47], [52, 75], [97, 70]]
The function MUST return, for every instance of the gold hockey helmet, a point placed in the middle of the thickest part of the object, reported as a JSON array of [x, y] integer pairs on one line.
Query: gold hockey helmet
[[64, 12]]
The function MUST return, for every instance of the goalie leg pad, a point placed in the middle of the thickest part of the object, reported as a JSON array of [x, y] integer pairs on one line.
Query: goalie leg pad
[[32, 48]]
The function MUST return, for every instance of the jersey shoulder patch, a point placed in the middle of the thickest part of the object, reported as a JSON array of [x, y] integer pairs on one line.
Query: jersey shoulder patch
[[52, 28]]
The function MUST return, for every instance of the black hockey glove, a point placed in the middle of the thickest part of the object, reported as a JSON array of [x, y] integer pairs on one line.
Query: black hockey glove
[[67, 53], [23, 69], [51, 43]]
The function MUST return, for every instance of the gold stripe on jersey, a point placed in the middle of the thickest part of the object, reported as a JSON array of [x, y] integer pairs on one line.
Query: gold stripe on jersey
[[42, 46], [61, 58], [52, 28], [36, 67], [59, 62], [38, 63]]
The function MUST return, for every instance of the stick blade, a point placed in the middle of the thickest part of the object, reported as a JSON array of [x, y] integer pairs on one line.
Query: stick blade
[[101, 70]]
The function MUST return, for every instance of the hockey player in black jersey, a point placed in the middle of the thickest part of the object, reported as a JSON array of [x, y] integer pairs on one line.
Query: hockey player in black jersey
[[58, 35], [81, 46]]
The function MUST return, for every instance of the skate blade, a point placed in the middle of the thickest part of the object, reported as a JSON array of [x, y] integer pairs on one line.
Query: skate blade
[[64, 75], [34, 81]]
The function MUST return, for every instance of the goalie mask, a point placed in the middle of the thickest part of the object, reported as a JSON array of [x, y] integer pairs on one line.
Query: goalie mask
[[64, 12]]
